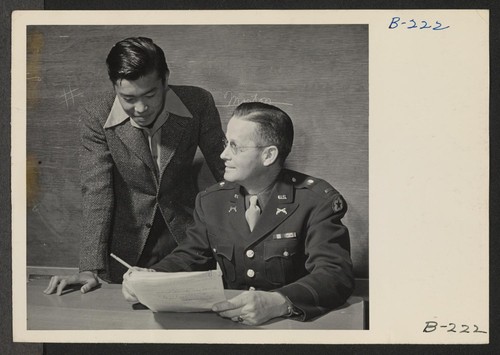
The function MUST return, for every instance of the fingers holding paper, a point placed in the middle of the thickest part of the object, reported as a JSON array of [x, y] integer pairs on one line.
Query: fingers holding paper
[[127, 291], [252, 307]]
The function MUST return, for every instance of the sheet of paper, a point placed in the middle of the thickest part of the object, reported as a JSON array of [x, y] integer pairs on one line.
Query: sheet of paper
[[178, 291]]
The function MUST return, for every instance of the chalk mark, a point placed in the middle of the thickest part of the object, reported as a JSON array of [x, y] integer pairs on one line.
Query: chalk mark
[[266, 91], [271, 103], [234, 100], [70, 96], [36, 210], [33, 78]]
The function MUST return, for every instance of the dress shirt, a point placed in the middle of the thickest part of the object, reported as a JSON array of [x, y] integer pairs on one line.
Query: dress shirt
[[173, 104]]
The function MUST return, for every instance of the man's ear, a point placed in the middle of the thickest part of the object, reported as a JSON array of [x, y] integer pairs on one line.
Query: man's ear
[[270, 155]]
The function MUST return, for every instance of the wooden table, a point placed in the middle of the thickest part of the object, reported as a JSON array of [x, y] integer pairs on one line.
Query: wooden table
[[105, 308]]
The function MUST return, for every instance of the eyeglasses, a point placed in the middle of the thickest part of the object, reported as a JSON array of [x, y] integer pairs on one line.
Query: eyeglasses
[[235, 149]]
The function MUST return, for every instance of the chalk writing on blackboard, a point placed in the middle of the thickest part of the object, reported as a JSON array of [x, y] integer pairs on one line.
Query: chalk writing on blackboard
[[69, 96], [36, 209], [233, 100], [32, 78]]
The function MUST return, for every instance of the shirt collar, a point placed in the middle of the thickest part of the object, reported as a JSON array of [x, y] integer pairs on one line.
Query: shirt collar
[[263, 196], [173, 104]]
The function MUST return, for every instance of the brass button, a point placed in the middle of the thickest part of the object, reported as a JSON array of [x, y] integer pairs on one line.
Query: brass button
[[251, 288], [250, 253], [286, 253], [250, 273]]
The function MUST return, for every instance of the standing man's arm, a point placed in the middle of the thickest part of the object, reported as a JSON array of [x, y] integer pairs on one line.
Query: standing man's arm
[[193, 254], [96, 169], [211, 137]]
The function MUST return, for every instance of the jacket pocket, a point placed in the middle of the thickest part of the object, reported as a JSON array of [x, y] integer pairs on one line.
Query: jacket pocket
[[224, 253], [278, 257]]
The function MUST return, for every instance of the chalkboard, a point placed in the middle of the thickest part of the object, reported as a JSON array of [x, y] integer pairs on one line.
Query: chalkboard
[[317, 73]]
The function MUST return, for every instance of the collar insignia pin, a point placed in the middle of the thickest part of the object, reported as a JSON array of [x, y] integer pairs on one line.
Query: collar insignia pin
[[232, 208], [281, 197], [281, 210]]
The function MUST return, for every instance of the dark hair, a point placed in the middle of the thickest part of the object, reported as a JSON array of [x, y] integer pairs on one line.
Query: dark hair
[[135, 57], [275, 126]]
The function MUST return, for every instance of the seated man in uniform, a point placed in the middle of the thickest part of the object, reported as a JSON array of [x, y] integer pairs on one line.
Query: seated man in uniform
[[275, 232]]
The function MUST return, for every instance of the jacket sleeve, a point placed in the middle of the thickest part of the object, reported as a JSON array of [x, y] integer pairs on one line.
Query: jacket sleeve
[[194, 253], [211, 137], [96, 171], [330, 280]]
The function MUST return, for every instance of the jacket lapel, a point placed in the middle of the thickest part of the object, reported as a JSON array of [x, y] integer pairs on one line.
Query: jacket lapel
[[134, 140], [280, 207], [171, 135], [236, 212]]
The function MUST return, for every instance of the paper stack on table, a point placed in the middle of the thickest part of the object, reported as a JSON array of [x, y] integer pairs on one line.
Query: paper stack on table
[[178, 291]]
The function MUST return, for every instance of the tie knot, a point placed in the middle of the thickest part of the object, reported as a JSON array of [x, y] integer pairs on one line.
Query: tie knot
[[253, 200]]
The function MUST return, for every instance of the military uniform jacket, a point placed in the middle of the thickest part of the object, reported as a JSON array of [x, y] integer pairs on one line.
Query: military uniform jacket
[[299, 246], [122, 189]]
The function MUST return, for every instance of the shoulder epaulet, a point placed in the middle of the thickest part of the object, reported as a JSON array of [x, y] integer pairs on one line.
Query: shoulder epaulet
[[222, 185], [317, 185], [321, 188]]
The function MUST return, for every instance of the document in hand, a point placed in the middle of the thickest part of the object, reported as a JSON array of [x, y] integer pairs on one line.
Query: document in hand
[[178, 291]]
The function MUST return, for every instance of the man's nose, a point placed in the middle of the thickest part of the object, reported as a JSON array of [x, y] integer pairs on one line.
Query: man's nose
[[225, 153], [140, 107]]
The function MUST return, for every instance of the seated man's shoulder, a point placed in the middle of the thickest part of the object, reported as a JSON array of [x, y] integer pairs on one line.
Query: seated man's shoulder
[[316, 189], [214, 190], [314, 185]]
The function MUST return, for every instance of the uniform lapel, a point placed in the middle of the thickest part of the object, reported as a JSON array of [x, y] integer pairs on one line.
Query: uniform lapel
[[235, 209], [134, 140], [280, 207], [171, 134]]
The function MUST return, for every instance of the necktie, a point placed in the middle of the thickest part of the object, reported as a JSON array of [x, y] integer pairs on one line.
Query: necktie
[[252, 214]]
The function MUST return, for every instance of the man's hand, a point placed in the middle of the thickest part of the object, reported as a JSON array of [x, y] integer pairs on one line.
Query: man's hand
[[126, 290], [88, 279], [253, 307]]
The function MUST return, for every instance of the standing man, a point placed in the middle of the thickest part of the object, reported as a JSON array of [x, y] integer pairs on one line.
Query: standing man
[[138, 145], [275, 232]]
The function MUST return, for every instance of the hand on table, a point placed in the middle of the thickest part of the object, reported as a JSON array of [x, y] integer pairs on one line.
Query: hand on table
[[253, 307], [88, 279], [126, 290]]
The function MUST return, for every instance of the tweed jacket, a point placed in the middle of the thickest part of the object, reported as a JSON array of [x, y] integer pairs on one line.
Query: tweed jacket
[[121, 188], [299, 246]]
